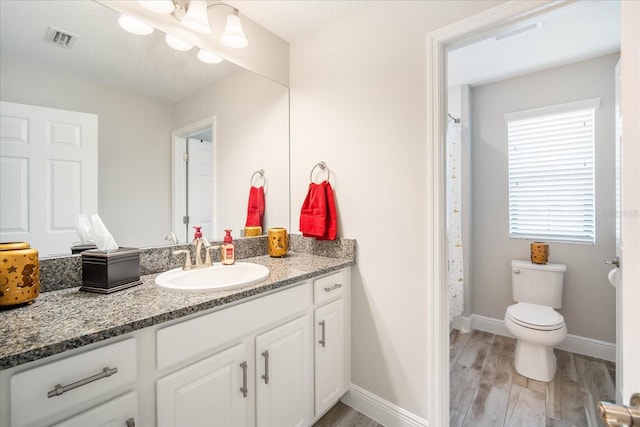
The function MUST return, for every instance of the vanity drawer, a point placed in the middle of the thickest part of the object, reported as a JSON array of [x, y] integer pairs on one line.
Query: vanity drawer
[[328, 287], [65, 384], [195, 338]]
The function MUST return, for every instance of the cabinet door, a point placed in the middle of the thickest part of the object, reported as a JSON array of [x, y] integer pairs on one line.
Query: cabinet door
[[211, 392], [283, 362], [329, 355], [119, 412]]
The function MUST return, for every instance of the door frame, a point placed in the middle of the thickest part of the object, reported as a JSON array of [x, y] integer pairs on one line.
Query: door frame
[[457, 34]]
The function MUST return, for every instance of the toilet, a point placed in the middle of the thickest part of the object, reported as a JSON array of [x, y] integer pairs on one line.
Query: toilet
[[537, 290]]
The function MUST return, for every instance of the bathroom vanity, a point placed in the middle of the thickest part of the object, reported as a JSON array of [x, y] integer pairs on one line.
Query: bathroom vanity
[[275, 353]]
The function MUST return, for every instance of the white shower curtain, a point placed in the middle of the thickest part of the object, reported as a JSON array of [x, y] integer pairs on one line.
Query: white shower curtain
[[454, 218]]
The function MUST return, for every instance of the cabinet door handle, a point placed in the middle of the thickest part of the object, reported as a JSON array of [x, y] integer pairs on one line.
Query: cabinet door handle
[[60, 389], [265, 377], [334, 287], [322, 339], [130, 422], [243, 389]]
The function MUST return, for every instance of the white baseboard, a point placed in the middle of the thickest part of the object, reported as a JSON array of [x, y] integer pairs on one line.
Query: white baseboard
[[379, 409], [573, 343], [461, 323]]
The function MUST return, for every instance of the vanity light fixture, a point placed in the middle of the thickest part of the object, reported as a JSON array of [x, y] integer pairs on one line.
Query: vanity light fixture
[[196, 17], [158, 6], [233, 35], [193, 15], [134, 26], [209, 57], [177, 43]]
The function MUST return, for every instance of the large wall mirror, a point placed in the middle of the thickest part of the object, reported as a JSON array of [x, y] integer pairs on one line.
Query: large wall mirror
[[149, 99]]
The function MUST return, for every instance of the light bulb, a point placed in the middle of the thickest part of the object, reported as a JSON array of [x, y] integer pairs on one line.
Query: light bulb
[[208, 57], [233, 35], [196, 17], [134, 26], [177, 43]]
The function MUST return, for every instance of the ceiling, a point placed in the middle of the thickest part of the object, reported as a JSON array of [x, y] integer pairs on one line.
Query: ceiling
[[292, 20], [584, 30], [103, 52]]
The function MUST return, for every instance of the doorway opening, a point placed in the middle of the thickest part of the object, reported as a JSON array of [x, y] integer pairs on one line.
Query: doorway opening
[[505, 17], [193, 180]]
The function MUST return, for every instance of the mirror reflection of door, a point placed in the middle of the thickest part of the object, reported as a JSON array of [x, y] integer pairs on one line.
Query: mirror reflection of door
[[193, 181]]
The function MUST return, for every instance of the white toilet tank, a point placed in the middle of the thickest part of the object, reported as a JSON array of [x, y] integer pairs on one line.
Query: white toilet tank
[[537, 283]]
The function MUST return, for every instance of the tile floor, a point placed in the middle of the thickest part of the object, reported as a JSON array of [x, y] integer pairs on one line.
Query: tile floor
[[485, 389]]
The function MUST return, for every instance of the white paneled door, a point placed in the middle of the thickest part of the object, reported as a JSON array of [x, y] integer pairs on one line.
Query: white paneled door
[[48, 174], [200, 179]]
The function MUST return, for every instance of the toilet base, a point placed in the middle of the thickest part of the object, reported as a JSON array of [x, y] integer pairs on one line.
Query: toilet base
[[535, 361]]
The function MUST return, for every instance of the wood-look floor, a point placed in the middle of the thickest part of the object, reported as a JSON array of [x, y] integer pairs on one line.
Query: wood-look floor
[[485, 389], [342, 415]]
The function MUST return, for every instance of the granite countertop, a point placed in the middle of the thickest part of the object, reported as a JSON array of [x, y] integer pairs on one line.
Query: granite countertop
[[62, 320]]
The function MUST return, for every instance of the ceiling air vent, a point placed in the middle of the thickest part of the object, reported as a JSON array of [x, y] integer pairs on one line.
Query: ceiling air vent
[[517, 31], [60, 37]]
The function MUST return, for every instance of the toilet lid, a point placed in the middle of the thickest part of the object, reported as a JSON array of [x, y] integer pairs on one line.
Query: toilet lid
[[535, 316]]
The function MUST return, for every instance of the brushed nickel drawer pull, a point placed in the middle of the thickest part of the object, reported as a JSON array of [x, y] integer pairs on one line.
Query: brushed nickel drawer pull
[[60, 389], [265, 377], [322, 341], [334, 287], [244, 389]]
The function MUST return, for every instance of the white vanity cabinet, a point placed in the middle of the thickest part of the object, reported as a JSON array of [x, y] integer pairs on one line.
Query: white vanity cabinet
[[280, 359], [118, 412], [86, 388], [249, 364], [283, 363], [331, 340], [212, 392]]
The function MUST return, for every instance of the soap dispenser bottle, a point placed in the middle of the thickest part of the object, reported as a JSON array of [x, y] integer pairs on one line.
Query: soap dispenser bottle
[[228, 252]]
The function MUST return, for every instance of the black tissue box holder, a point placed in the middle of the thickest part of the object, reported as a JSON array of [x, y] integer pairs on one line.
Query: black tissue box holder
[[105, 272]]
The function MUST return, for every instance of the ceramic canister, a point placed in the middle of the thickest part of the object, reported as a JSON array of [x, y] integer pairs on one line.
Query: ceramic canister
[[539, 252], [278, 242], [19, 273]]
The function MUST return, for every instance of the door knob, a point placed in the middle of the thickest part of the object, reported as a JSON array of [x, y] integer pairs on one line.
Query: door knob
[[620, 415], [615, 261]]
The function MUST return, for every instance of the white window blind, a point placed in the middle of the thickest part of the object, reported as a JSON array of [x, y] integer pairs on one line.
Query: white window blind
[[551, 173]]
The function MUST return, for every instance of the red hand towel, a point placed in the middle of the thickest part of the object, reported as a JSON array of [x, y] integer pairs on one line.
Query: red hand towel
[[313, 215], [255, 208], [331, 229]]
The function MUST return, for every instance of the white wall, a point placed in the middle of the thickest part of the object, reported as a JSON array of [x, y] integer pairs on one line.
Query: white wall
[[358, 103], [588, 298], [134, 147], [252, 133]]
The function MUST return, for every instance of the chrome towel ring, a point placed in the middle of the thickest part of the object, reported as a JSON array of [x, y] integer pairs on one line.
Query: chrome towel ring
[[323, 166], [258, 172]]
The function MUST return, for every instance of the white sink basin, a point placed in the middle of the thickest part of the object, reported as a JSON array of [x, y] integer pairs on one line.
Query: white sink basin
[[216, 278]]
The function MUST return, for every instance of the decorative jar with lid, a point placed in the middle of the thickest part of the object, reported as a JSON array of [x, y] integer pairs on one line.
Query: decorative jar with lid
[[19, 273]]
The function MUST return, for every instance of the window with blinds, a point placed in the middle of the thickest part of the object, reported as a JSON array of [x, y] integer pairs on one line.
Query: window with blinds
[[552, 173]]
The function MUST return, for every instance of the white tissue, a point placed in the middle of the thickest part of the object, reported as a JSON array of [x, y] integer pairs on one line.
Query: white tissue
[[83, 228], [101, 236]]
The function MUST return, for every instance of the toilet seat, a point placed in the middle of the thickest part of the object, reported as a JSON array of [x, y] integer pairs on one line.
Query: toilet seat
[[533, 316]]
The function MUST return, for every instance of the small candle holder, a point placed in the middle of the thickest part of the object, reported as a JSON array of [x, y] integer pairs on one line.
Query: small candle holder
[[539, 252]]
